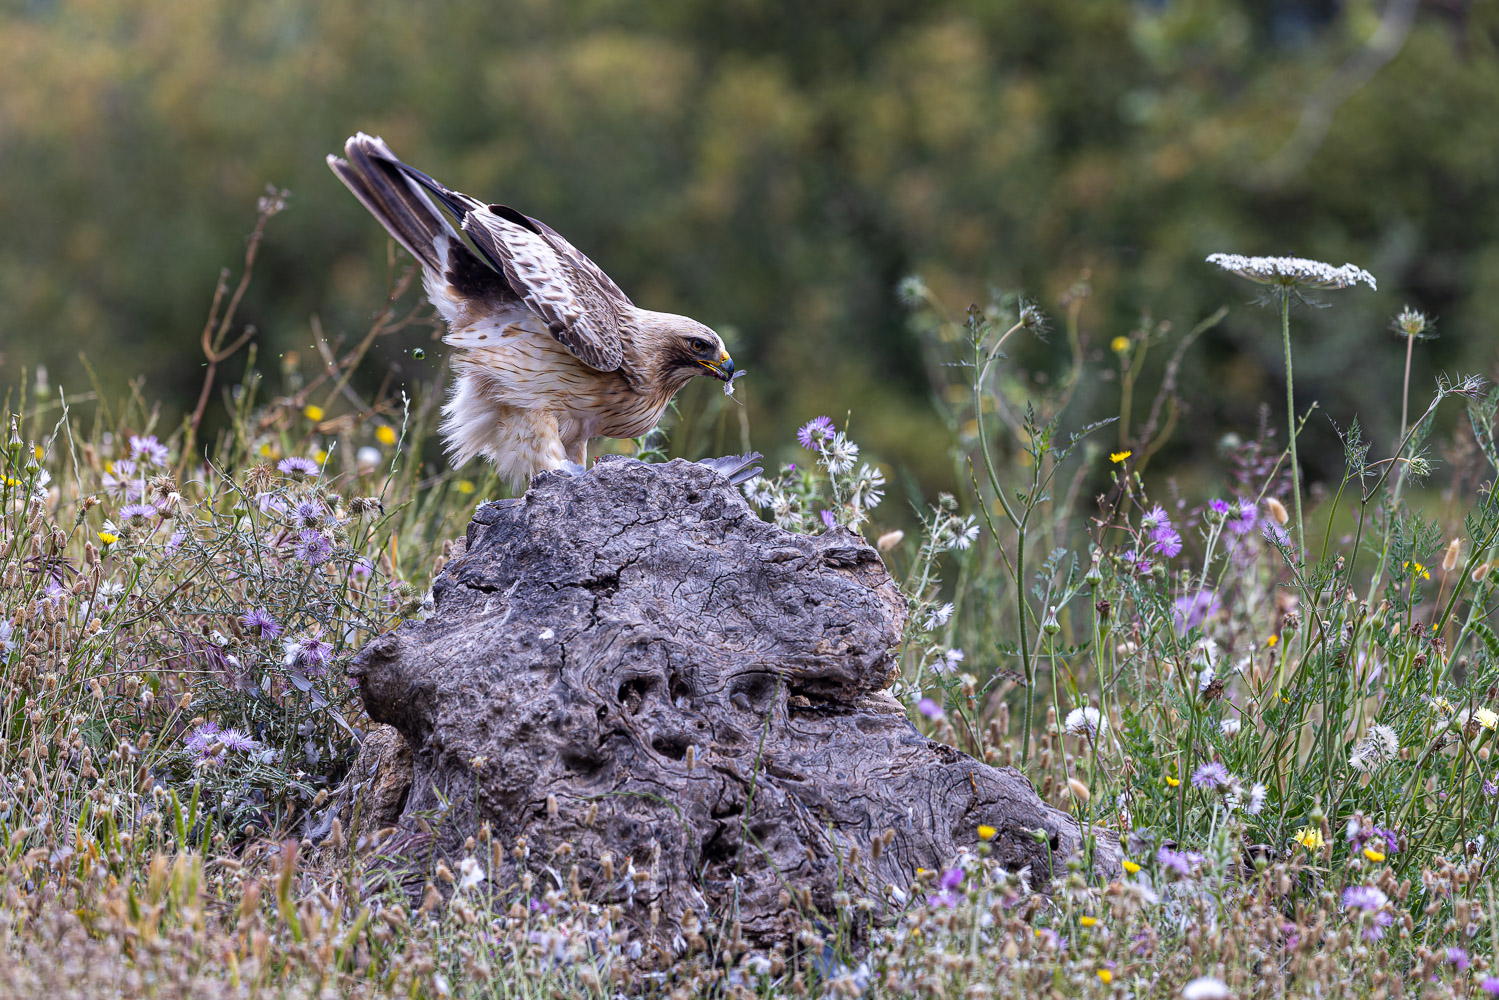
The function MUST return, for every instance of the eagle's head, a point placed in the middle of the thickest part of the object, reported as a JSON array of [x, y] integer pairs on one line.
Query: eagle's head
[[686, 348]]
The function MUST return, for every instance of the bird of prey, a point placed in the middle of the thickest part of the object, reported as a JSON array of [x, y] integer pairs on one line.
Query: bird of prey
[[551, 352]]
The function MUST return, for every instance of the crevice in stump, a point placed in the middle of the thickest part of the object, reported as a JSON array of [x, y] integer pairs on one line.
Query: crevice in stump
[[701, 693]]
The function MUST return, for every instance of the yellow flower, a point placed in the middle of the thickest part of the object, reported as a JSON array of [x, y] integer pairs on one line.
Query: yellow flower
[[1118, 456], [1310, 839], [1373, 855], [1105, 976], [1119, 345], [1442, 705], [1420, 570], [1272, 641], [37, 450], [463, 486], [313, 413], [1486, 718], [1130, 866], [320, 456], [1173, 782], [385, 435], [987, 832], [1087, 921], [108, 538]]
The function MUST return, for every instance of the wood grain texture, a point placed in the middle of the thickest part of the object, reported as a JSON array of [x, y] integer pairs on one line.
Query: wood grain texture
[[602, 625]]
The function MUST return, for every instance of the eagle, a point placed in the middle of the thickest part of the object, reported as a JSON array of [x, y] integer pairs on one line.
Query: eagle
[[551, 353]]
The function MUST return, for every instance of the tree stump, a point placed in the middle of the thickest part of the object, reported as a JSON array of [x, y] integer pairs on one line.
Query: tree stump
[[630, 662]]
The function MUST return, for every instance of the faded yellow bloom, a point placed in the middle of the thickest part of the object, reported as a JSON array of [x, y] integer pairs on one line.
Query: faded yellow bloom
[[463, 486], [1310, 838], [385, 434], [1119, 345], [1487, 718], [313, 413]]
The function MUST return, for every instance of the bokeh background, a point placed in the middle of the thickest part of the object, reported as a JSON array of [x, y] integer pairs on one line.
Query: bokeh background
[[774, 169]]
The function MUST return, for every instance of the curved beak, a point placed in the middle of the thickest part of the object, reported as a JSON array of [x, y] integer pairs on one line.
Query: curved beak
[[723, 368]]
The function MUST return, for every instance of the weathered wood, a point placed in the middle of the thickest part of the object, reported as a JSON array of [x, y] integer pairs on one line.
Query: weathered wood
[[695, 692]]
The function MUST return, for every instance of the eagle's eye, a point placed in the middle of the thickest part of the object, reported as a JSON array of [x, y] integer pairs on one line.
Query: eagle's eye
[[698, 345]]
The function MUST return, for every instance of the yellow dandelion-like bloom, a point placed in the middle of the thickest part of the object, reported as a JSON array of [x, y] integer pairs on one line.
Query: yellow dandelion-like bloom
[[987, 832], [320, 456], [1272, 640], [1118, 456], [313, 413], [1310, 838], [1419, 570], [464, 486], [1119, 345], [385, 435], [1105, 976], [1130, 866], [108, 538], [36, 449], [1173, 782], [1087, 921], [1373, 855], [1442, 705], [1487, 718]]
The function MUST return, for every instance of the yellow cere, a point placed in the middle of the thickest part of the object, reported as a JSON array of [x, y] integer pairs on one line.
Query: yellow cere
[[313, 413], [987, 832], [385, 435], [1310, 839], [1087, 921], [1119, 345], [108, 538], [1130, 866], [1105, 976], [1373, 855], [1118, 456]]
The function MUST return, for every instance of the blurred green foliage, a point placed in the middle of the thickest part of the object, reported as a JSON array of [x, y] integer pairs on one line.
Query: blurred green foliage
[[773, 169]]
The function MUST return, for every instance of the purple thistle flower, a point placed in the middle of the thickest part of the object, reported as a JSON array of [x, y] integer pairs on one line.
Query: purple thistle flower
[[200, 739], [930, 708], [233, 739], [1459, 958], [175, 542], [1377, 924], [268, 626], [1155, 519], [1218, 506], [1191, 610], [814, 432], [137, 515], [1490, 985], [1136, 561], [951, 879], [829, 520], [313, 548], [298, 466], [1490, 789], [1211, 775], [362, 569], [121, 481], [1166, 541], [1363, 897], [150, 450], [309, 652], [309, 513], [1181, 862], [270, 503], [1242, 520]]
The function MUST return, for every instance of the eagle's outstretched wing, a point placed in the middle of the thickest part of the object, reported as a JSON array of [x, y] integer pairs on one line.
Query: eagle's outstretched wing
[[582, 307]]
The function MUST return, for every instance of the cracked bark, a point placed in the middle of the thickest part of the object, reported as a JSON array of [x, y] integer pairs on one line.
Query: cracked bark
[[701, 693]]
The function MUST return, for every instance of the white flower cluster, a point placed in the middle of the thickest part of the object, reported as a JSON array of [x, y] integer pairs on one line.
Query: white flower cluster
[[1378, 747], [1292, 271]]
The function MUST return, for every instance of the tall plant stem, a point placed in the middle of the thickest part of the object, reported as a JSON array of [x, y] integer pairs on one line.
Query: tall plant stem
[[1405, 392], [1285, 333]]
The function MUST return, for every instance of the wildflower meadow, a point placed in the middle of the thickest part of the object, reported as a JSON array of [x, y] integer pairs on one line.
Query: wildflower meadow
[[1281, 702]]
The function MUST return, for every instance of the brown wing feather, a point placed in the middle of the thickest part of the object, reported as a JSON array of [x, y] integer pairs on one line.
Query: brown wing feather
[[580, 305]]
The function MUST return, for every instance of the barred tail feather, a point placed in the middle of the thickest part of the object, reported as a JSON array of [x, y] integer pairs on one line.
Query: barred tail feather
[[381, 184]]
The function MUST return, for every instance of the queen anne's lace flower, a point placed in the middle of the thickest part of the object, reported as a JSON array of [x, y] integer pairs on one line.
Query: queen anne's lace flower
[[1298, 271]]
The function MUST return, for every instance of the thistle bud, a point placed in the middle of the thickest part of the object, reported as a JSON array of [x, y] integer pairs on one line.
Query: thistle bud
[[1049, 624]]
